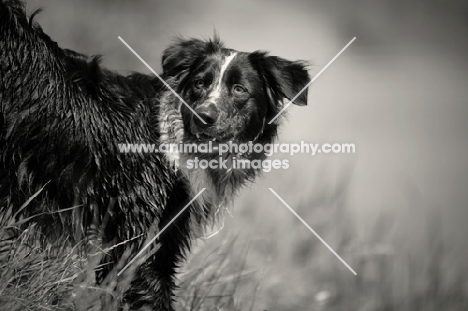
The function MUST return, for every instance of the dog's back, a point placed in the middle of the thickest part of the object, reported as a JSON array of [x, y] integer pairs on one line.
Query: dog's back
[[63, 116]]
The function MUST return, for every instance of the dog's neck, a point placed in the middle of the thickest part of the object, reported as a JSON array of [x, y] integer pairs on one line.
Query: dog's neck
[[221, 186]]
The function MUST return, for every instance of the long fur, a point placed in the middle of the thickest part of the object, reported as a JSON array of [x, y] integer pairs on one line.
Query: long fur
[[62, 116]]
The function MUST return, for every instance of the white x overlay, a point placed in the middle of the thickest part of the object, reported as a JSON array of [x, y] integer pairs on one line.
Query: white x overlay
[[273, 119], [312, 230]]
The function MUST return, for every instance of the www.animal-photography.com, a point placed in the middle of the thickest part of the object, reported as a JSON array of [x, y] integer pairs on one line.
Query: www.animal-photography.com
[[233, 155]]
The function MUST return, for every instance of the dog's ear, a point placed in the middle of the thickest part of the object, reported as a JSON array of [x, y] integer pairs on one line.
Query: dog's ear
[[283, 79], [178, 58]]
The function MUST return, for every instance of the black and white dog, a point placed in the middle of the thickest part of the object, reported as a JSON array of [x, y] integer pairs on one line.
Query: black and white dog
[[236, 94], [62, 116]]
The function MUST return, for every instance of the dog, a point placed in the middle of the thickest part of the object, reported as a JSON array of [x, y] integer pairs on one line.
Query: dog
[[63, 115]]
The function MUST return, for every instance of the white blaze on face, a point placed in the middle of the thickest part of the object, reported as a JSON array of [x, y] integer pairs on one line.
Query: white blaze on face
[[216, 92]]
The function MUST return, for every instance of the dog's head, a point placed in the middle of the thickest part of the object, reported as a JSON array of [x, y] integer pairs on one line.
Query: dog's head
[[234, 94]]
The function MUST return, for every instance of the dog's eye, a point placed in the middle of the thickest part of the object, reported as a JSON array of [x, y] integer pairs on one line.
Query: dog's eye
[[199, 83], [239, 89]]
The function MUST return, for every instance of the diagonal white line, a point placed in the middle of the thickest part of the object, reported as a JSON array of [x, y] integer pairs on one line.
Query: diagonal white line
[[311, 81], [312, 230], [160, 232], [161, 79]]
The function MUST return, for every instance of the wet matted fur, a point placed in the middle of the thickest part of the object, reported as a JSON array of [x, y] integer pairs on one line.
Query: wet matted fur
[[63, 115]]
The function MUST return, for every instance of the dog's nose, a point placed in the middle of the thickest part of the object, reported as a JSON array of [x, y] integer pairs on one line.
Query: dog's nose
[[208, 113]]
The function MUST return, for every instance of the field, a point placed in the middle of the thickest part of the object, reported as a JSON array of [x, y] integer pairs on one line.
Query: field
[[395, 210]]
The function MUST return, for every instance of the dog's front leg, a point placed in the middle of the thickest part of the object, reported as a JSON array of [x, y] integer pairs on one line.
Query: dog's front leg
[[155, 281]]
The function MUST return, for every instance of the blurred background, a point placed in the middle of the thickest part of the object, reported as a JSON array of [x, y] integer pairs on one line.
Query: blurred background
[[396, 210]]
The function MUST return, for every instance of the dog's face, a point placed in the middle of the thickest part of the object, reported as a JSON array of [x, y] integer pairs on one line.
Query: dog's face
[[235, 94]]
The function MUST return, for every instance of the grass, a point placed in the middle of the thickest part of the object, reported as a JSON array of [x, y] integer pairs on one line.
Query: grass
[[61, 276], [402, 263], [285, 268]]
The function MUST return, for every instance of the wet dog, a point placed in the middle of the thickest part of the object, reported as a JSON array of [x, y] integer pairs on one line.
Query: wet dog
[[63, 115]]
